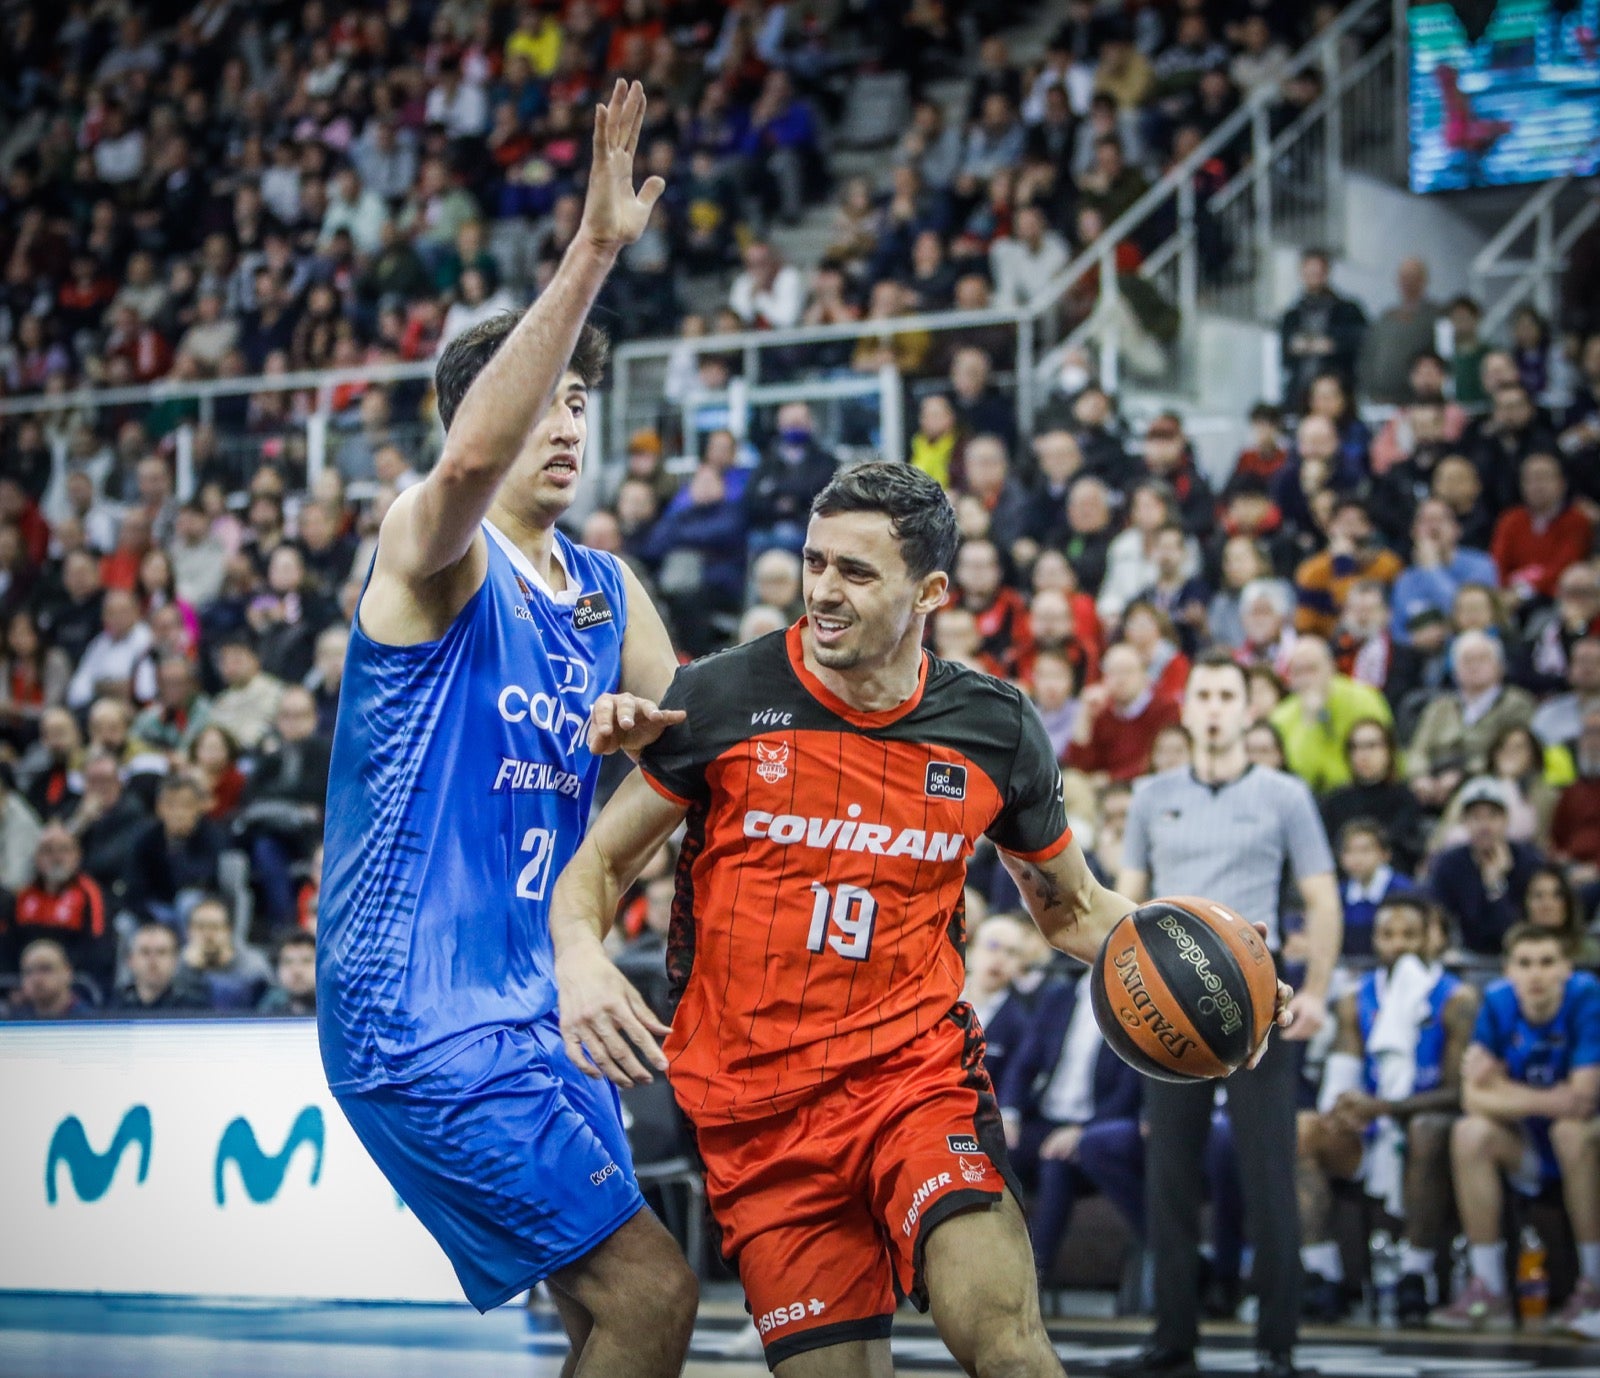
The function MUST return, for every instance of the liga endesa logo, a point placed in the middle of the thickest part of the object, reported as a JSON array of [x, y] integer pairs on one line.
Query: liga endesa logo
[[261, 1174]]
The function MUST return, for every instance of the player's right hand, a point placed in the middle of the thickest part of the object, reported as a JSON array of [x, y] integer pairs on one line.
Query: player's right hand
[[625, 722], [614, 214], [608, 1029]]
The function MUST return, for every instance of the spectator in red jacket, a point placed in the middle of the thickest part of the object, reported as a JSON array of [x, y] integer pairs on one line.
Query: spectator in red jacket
[[1119, 720], [66, 905], [1534, 542], [1002, 612]]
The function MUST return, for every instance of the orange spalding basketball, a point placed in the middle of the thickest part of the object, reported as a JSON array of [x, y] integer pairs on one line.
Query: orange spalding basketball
[[1184, 989]]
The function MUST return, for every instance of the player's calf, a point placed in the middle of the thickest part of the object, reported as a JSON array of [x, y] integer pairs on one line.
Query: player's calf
[[642, 1296], [988, 1317]]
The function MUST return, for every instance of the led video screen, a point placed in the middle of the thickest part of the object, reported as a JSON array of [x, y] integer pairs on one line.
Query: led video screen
[[1503, 91]]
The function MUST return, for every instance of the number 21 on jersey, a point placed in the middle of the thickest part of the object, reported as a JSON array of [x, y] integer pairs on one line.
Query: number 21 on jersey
[[849, 910]]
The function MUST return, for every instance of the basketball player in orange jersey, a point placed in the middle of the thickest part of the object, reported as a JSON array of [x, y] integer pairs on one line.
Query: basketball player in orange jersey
[[835, 778]]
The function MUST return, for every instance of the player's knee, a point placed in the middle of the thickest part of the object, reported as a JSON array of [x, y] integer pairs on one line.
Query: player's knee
[[1575, 1140], [1471, 1137], [1022, 1352], [1428, 1136], [1308, 1133], [676, 1297]]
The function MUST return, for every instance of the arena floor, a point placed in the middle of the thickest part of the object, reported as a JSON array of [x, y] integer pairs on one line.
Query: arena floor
[[76, 1337]]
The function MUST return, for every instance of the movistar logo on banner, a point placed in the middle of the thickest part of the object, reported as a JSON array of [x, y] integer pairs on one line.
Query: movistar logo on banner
[[261, 1173], [92, 1172]]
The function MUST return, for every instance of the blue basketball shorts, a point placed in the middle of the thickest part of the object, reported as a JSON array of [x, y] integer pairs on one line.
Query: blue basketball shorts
[[513, 1159]]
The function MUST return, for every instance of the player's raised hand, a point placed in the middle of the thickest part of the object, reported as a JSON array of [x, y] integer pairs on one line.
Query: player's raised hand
[[625, 722], [614, 214], [606, 1025]]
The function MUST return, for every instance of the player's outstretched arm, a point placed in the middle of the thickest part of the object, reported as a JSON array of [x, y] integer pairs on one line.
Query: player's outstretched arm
[[608, 1028], [630, 720], [432, 526]]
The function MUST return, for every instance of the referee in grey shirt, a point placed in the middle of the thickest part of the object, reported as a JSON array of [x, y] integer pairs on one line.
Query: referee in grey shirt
[[1224, 829]]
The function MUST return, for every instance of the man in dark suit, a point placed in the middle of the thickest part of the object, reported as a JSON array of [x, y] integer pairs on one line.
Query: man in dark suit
[[1071, 1110]]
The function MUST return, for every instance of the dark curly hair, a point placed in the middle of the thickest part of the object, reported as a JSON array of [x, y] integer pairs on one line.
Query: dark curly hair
[[465, 356], [919, 513]]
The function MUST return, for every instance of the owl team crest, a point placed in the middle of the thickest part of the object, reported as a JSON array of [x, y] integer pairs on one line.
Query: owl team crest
[[772, 762]]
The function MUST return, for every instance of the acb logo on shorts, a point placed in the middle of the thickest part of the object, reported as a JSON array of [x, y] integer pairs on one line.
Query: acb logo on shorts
[[963, 1143], [945, 781]]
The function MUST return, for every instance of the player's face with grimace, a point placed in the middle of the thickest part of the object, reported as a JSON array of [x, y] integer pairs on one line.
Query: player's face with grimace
[[861, 601], [546, 473]]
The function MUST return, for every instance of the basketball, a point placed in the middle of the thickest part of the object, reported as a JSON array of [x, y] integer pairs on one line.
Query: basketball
[[1184, 989]]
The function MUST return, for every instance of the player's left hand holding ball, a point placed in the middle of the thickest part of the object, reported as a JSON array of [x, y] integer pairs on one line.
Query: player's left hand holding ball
[[606, 1025], [1283, 1015], [625, 722]]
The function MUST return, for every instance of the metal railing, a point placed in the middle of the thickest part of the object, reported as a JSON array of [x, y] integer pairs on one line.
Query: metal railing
[[1529, 253], [1353, 119], [1287, 188], [1290, 190], [322, 414]]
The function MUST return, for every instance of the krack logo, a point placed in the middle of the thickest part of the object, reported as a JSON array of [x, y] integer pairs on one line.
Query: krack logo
[[262, 1174], [592, 610], [945, 781], [92, 1172]]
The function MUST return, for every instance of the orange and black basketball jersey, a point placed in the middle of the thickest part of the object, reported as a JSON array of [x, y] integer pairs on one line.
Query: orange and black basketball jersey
[[818, 922]]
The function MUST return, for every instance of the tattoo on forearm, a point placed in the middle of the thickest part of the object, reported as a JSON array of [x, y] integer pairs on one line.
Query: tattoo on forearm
[[1046, 890]]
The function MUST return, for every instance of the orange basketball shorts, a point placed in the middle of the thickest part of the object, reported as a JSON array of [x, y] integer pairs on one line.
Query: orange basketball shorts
[[824, 1209]]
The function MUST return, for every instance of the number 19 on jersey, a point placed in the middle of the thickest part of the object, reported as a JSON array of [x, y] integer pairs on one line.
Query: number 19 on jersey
[[851, 912]]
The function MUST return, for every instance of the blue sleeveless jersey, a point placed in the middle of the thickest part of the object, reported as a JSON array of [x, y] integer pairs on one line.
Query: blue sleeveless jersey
[[460, 785], [1430, 1037], [1542, 1054]]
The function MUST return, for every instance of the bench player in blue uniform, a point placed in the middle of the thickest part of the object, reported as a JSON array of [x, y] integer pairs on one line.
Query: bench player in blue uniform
[[463, 771], [1530, 1086], [1334, 1139]]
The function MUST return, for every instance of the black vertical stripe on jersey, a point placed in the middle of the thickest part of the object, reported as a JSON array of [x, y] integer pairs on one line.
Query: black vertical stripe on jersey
[[681, 931], [1188, 988]]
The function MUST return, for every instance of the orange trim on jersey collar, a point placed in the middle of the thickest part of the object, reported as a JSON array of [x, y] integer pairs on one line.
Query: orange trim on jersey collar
[[795, 643]]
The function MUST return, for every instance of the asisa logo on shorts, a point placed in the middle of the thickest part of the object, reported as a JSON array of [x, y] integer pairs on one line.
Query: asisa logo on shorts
[[963, 1143], [945, 781], [592, 610]]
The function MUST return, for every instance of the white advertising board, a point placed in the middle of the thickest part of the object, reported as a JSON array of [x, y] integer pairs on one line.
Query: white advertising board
[[195, 1158]]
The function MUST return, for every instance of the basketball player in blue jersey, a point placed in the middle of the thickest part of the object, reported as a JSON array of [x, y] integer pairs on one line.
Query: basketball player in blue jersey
[[463, 770], [1530, 1086], [1335, 1139]]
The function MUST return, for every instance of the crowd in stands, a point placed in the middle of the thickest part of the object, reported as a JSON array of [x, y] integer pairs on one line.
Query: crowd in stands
[[1403, 558]]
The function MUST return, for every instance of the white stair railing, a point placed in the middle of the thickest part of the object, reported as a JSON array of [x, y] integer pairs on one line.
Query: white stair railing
[[1529, 253]]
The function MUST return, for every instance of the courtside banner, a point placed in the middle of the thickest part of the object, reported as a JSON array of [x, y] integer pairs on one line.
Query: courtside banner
[[194, 1158]]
